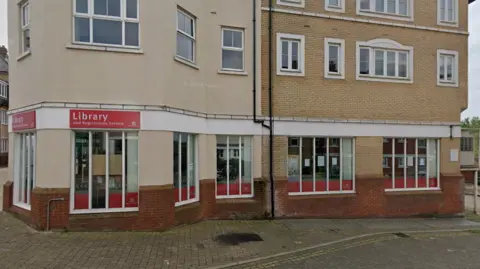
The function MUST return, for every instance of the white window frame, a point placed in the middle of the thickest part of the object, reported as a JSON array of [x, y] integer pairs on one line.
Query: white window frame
[[3, 89], [91, 210], [327, 165], [291, 3], [227, 150], [91, 16], [341, 58], [197, 181], [332, 8], [444, 82], [3, 117], [19, 160], [191, 37], [441, 22], [25, 26], [389, 45], [301, 55], [242, 49], [416, 164], [373, 13]]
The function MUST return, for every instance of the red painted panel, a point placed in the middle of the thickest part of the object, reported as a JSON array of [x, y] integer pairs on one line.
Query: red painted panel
[[24, 121]]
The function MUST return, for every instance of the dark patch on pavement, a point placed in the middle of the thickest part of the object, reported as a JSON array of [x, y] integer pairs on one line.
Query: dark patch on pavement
[[402, 235], [234, 239]]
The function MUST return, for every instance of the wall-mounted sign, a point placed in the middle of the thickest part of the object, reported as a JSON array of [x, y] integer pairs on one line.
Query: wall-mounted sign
[[104, 119], [24, 121]]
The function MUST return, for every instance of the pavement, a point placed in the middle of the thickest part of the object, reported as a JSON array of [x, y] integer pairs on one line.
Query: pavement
[[214, 244]]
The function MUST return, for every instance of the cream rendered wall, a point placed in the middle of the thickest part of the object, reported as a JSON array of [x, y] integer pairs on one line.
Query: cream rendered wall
[[152, 78], [155, 160]]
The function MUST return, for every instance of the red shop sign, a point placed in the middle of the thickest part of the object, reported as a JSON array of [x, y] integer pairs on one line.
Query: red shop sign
[[24, 121], [107, 119]]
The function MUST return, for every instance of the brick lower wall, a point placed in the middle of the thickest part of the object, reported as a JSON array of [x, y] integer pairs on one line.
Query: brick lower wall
[[371, 200], [469, 175], [157, 209]]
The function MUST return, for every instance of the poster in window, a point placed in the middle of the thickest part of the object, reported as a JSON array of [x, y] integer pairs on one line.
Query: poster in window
[[320, 161], [293, 161]]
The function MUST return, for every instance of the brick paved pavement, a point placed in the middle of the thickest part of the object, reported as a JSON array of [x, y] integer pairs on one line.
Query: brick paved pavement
[[185, 247]]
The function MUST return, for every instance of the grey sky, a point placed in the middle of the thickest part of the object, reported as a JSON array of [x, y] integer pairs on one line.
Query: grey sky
[[474, 61]]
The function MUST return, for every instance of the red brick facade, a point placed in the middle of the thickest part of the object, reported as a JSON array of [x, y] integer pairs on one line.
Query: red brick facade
[[157, 210]]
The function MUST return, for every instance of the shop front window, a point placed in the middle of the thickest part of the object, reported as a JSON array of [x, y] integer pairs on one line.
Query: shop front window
[[105, 170], [320, 165], [24, 168], [411, 163], [234, 166], [185, 177]]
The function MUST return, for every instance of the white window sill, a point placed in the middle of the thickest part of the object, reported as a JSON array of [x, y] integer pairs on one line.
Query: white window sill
[[449, 24], [102, 210], [186, 62], [104, 48], [234, 196], [413, 189], [290, 73], [334, 76], [447, 84], [378, 79], [384, 15], [320, 193], [290, 4], [335, 9], [24, 55], [187, 202], [23, 206], [232, 72]]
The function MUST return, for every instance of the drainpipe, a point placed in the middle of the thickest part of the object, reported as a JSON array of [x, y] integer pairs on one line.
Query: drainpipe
[[48, 210], [255, 120]]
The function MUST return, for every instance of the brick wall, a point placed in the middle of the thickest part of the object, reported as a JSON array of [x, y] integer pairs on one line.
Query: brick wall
[[469, 176]]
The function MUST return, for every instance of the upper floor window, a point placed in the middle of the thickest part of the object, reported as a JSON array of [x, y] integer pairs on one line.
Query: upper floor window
[[447, 68], [107, 22], [334, 58], [384, 60], [292, 3], [3, 90], [3, 117], [232, 49], [394, 9], [185, 36], [290, 54], [447, 12], [466, 144], [335, 5], [25, 23]]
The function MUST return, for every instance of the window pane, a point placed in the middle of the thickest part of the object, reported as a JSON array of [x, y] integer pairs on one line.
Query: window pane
[[450, 11], [26, 168], [246, 159], [411, 163], [449, 64], [176, 165], [334, 3], [365, 4], [132, 9], [131, 169], [131, 34], [185, 47], [432, 163], [333, 58], [82, 29], [107, 32], [295, 56], [81, 6], [26, 39], [391, 6], [237, 39], [192, 166], [379, 62], [307, 164], [98, 169], [234, 165], [347, 164], [399, 163], [403, 7], [227, 38], [100, 7], [285, 54], [113, 8], [115, 170], [334, 164], [402, 65], [442, 67], [222, 169], [380, 5], [184, 167], [293, 164], [81, 170], [422, 163], [320, 164], [232, 59], [390, 63], [442, 9], [180, 21], [364, 61]]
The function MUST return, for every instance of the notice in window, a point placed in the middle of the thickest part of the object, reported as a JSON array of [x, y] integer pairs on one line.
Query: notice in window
[[334, 161], [307, 162], [320, 161], [422, 161], [410, 161]]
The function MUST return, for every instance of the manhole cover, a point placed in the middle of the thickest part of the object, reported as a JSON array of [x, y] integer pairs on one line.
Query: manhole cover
[[234, 239], [402, 235]]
